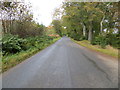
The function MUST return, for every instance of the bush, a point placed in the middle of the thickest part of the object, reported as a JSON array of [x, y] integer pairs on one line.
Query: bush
[[13, 44], [79, 37], [108, 39], [113, 40], [100, 40], [82, 38]]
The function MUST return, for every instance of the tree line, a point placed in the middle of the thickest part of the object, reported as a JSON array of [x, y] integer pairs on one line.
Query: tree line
[[97, 22], [17, 19], [20, 32]]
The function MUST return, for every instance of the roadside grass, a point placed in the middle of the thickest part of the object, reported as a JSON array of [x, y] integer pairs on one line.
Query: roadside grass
[[12, 60], [108, 50]]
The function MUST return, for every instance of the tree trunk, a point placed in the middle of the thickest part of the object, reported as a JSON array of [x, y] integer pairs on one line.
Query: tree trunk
[[90, 32], [84, 29], [3, 25], [101, 24]]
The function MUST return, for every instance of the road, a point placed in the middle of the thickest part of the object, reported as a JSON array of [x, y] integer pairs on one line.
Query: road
[[64, 64]]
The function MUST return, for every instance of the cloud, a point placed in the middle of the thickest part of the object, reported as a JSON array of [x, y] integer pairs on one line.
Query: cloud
[[43, 10]]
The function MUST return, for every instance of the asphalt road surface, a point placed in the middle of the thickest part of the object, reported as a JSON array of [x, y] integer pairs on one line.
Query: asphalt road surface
[[64, 64]]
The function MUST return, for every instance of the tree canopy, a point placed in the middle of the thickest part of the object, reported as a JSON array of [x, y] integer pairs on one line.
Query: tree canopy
[[90, 21]]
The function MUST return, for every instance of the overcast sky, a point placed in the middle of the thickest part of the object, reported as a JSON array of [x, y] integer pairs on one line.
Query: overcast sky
[[43, 10]]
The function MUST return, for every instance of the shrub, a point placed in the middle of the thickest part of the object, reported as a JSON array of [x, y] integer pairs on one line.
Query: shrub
[[12, 44], [79, 37], [113, 40], [100, 40]]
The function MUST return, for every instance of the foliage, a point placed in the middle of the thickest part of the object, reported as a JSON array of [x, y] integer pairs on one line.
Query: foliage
[[17, 19], [108, 39], [13, 44], [11, 60], [94, 21], [57, 26], [113, 40], [100, 40]]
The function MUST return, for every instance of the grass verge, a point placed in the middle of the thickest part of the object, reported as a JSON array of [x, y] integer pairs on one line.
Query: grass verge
[[108, 50], [12, 60]]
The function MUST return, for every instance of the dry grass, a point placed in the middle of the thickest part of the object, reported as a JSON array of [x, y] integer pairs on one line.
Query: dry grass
[[108, 50]]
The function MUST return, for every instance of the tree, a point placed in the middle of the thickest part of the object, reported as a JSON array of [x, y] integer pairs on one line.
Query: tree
[[17, 19], [89, 20], [57, 26]]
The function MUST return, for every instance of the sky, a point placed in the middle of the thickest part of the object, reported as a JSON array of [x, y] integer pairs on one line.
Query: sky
[[44, 9]]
